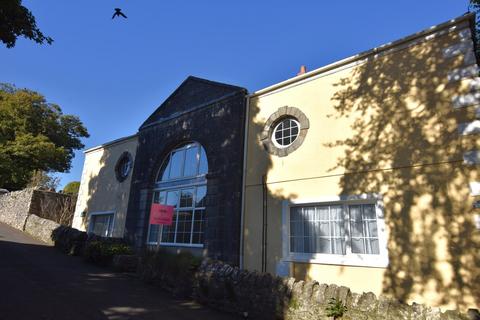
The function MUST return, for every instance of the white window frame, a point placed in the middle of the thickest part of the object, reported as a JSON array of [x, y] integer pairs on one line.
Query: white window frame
[[175, 219], [349, 259], [101, 213], [274, 140]]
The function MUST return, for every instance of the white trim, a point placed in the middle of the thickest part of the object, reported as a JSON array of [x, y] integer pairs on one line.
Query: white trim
[[350, 259], [169, 244], [244, 188], [459, 25], [101, 213], [110, 143], [474, 188], [468, 128], [273, 138]]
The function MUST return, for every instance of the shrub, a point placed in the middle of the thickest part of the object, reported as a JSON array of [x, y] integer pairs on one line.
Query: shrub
[[171, 271], [335, 308], [101, 251], [69, 240]]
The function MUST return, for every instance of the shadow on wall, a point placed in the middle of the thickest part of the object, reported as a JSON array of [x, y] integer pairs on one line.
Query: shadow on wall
[[262, 234], [405, 120], [102, 193]]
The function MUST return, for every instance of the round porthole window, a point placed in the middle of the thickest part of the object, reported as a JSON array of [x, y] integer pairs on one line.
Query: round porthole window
[[124, 166], [285, 132]]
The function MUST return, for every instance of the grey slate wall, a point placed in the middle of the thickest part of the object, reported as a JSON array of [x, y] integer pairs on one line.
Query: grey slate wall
[[219, 128]]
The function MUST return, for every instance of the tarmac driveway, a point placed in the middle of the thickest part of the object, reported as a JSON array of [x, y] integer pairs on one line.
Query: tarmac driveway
[[37, 282]]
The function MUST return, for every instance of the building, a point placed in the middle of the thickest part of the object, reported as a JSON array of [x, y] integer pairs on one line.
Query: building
[[364, 172], [189, 154]]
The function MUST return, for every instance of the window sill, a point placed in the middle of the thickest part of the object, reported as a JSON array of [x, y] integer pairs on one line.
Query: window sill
[[354, 260], [184, 245]]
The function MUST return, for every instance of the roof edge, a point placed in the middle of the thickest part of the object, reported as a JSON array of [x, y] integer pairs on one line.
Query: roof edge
[[470, 17], [110, 143]]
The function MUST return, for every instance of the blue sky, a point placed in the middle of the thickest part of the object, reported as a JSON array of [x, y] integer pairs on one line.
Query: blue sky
[[114, 73]]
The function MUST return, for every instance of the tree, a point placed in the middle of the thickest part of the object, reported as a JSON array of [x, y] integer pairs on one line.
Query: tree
[[34, 135], [72, 188], [15, 21], [41, 179]]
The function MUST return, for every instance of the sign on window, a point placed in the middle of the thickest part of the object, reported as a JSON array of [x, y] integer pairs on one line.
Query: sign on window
[[161, 214]]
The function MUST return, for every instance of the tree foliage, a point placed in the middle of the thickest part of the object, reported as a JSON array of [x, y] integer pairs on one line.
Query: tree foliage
[[34, 135], [15, 21], [72, 188], [41, 179]]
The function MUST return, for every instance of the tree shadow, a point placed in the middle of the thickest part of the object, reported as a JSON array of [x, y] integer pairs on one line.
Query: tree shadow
[[103, 192], [404, 144]]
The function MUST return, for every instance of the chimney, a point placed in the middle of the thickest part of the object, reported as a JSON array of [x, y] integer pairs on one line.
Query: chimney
[[303, 70]]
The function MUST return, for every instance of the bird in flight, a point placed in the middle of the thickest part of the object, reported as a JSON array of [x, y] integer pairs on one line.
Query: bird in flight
[[118, 13]]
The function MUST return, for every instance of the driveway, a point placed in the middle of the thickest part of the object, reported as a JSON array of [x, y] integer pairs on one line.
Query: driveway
[[37, 282]]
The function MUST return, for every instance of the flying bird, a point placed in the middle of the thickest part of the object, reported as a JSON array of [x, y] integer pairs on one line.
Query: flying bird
[[118, 13]]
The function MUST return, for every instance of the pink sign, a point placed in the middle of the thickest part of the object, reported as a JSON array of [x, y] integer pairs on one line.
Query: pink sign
[[161, 214]]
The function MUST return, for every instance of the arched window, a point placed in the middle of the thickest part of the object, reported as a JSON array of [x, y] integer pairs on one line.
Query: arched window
[[181, 183]]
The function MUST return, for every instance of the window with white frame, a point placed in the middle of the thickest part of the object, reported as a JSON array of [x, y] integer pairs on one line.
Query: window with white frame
[[181, 183], [101, 224], [343, 232]]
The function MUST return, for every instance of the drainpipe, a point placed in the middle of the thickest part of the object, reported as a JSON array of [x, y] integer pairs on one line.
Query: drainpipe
[[264, 224], [244, 174]]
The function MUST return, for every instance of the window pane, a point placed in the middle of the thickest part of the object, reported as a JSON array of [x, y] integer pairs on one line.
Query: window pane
[[198, 226], [203, 169], [358, 246], [337, 229], [153, 236], [339, 246], [168, 232], [336, 212], [323, 245], [355, 212], [200, 198], [324, 230], [191, 162], [372, 246], [322, 213], [165, 171], [184, 226], [176, 163], [172, 198], [372, 228], [186, 198], [369, 211], [356, 228], [102, 224]]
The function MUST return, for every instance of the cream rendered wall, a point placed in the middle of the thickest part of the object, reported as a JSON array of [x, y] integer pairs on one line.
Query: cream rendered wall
[[397, 115], [100, 191]]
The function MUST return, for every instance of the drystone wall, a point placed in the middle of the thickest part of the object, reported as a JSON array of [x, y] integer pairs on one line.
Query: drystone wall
[[54, 206], [40, 228], [263, 296], [15, 208]]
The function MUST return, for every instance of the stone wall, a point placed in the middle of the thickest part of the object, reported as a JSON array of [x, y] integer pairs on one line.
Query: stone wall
[[263, 296], [54, 206], [22, 210], [15, 208], [40, 228]]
